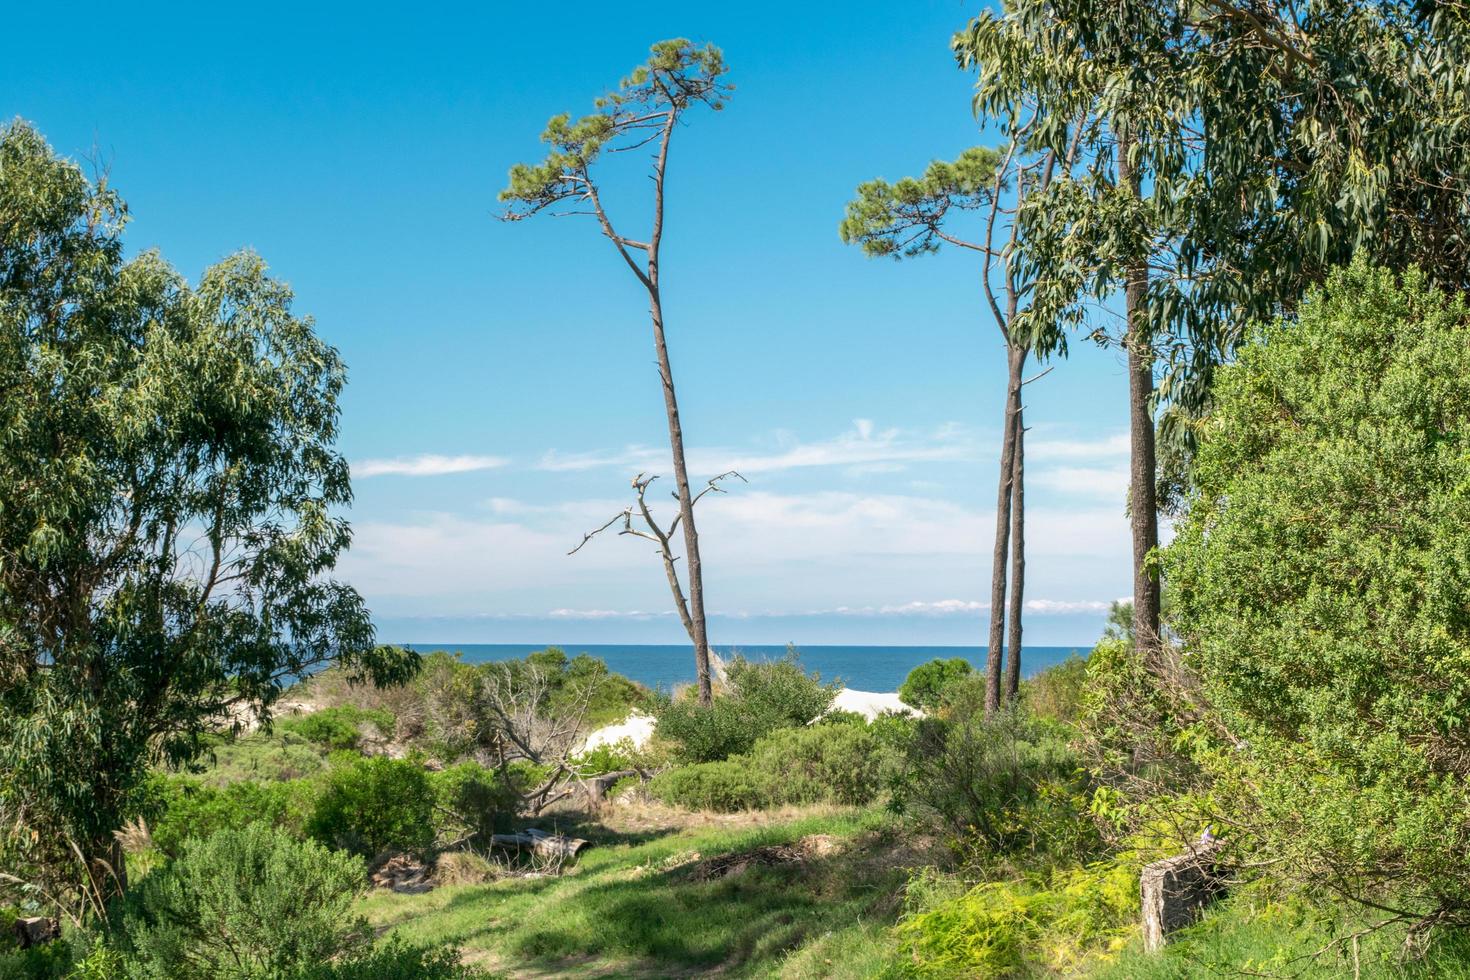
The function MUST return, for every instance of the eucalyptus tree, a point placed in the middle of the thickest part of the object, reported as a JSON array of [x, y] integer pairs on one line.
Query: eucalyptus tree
[[169, 516], [917, 216], [644, 112], [1239, 151]]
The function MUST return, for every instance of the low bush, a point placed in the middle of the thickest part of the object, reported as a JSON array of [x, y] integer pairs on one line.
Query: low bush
[[761, 698], [846, 763], [243, 904], [1058, 693], [607, 758], [473, 802], [190, 808], [338, 727], [994, 782], [374, 805], [725, 786], [839, 763], [927, 685], [1044, 925], [264, 757]]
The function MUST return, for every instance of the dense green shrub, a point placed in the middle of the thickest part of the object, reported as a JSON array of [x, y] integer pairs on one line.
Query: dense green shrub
[[1321, 577], [193, 809], [473, 802], [262, 756], [248, 903], [338, 727], [994, 782], [374, 805], [1043, 925], [846, 763], [724, 786], [926, 685], [1057, 693], [761, 697], [840, 763]]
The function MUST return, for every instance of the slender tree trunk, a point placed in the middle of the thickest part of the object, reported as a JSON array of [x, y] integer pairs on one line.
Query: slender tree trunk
[[1142, 505], [698, 634], [1018, 561], [1015, 360]]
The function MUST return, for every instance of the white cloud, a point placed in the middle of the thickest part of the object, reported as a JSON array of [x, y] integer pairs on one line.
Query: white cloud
[[761, 550], [425, 465], [1108, 446], [605, 614], [1060, 607], [1092, 481], [952, 607], [863, 448]]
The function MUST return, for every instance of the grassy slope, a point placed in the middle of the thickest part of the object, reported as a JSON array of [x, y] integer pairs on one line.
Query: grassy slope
[[634, 906]]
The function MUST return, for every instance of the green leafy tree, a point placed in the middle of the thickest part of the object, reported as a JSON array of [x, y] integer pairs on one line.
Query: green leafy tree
[[169, 513], [1321, 575], [927, 685], [375, 805], [1234, 153], [644, 111]]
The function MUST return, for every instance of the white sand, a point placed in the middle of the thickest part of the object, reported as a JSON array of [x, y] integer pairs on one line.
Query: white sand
[[637, 728], [870, 704]]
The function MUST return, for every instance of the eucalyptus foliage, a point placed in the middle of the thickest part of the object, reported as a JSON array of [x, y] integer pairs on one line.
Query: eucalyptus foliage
[[169, 511], [1321, 578], [1274, 141]]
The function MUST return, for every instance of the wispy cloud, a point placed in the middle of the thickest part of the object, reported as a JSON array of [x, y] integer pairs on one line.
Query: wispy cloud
[[1107, 447], [606, 614], [1064, 607], [1093, 481], [426, 465], [964, 607], [863, 448]]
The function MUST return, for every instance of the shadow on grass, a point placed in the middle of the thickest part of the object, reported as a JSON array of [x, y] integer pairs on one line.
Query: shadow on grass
[[670, 921]]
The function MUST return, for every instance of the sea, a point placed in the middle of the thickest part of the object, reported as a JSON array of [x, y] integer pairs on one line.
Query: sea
[[860, 668]]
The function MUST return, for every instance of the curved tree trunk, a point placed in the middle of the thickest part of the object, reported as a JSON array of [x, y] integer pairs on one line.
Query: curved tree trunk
[[1142, 504], [994, 651], [1018, 561]]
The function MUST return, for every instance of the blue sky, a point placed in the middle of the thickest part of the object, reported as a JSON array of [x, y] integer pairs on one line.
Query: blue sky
[[359, 149]]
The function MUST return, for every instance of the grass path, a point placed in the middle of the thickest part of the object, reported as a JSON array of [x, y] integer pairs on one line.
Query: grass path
[[658, 901]]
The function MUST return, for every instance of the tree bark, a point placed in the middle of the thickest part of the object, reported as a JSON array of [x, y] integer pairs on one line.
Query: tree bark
[[1018, 561], [1142, 504], [1015, 362], [698, 634]]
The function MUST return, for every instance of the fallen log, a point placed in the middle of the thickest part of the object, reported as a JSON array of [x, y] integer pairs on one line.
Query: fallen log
[[539, 842], [1176, 889]]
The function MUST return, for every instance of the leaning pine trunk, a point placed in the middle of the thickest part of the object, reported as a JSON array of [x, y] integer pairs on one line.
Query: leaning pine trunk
[[1018, 561], [1142, 503], [1015, 361], [697, 632]]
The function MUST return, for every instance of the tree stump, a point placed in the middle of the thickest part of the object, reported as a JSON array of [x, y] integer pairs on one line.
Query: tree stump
[[1176, 889]]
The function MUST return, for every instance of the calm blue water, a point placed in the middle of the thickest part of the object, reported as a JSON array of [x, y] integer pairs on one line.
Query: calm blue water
[[860, 668]]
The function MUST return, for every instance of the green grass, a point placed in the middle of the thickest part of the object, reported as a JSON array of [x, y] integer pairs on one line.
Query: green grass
[[1249, 934], [634, 906]]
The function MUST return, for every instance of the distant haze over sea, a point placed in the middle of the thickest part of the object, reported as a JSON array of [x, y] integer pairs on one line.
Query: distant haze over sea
[[862, 668]]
